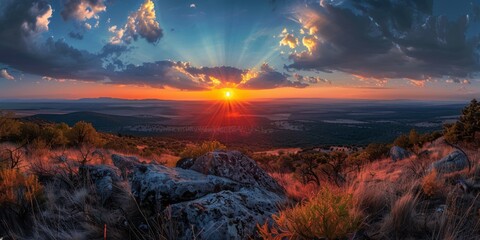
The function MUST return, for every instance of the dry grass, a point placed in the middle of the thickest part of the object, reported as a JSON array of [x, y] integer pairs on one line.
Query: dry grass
[[432, 184], [401, 221], [66, 207], [392, 200], [295, 189], [329, 214]]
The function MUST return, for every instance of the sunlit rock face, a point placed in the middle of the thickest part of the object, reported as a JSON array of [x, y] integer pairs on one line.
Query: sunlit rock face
[[223, 195]]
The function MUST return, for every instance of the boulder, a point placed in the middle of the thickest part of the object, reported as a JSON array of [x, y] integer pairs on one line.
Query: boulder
[[397, 153], [223, 195], [126, 164], [224, 215], [235, 166], [455, 161], [185, 163], [158, 186], [103, 176]]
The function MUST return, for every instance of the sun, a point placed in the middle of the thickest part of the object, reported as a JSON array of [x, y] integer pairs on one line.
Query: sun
[[228, 94]]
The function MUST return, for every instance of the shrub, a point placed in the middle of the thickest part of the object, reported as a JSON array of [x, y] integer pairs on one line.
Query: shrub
[[18, 189], [329, 214], [83, 133], [375, 151], [431, 184], [8, 125], [199, 150]]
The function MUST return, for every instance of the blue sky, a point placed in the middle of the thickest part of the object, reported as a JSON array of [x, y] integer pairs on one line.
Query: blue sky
[[70, 48]]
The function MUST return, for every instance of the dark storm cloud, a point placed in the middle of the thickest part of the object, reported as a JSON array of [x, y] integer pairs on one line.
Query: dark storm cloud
[[386, 39], [20, 23]]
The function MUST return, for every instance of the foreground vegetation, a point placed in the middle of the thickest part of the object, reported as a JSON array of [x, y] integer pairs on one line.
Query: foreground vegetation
[[356, 193]]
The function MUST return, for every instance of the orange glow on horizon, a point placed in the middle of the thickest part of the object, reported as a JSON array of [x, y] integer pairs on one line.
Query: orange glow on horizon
[[77, 90]]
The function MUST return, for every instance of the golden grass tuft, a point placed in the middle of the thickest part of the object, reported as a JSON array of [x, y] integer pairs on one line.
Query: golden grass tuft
[[17, 188], [329, 214]]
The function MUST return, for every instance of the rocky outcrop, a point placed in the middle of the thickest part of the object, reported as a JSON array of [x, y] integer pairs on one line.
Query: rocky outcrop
[[235, 166], [397, 153], [103, 177], [455, 161], [159, 186], [222, 195], [225, 215], [185, 163], [126, 164]]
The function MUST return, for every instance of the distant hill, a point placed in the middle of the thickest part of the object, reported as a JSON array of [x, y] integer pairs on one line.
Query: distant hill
[[102, 122]]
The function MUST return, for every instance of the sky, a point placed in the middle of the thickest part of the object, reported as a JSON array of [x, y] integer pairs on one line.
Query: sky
[[196, 49]]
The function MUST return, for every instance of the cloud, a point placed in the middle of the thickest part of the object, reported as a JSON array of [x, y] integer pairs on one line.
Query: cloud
[[386, 39], [22, 49], [310, 42], [456, 80], [310, 79], [4, 74], [219, 77], [43, 14], [140, 24], [268, 78], [288, 39], [158, 74], [193, 5], [35, 17], [75, 35], [417, 83], [183, 76], [82, 10]]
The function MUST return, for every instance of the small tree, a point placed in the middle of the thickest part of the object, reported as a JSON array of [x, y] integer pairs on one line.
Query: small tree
[[334, 166], [11, 157], [467, 127], [84, 136], [9, 126], [308, 167]]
